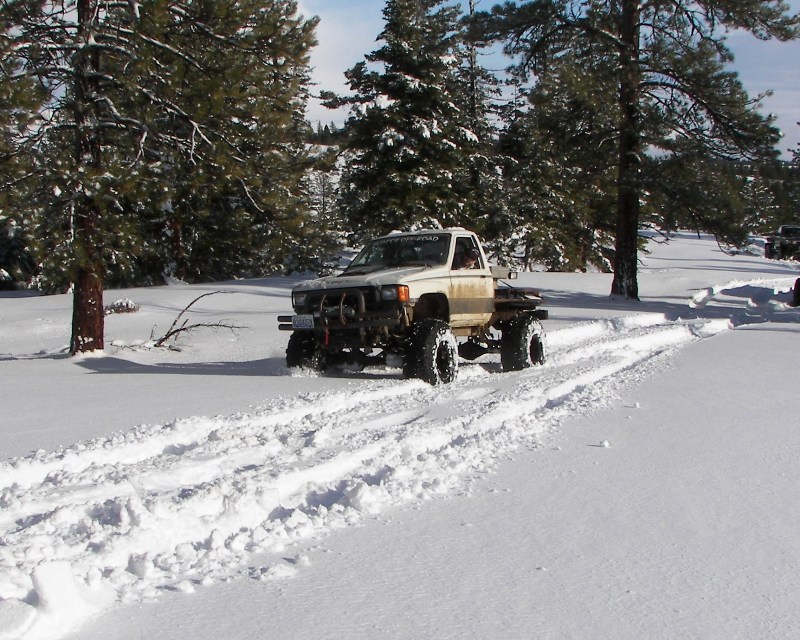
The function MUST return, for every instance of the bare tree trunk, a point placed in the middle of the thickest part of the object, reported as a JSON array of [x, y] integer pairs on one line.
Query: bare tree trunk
[[87, 308], [628, 181], [87, 312]]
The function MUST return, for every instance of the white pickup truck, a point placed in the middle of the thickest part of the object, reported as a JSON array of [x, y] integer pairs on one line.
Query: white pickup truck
[[422, 298]]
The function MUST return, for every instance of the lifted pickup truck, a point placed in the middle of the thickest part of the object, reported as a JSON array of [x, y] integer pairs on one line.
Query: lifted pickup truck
[[784, 243], [420, 298]]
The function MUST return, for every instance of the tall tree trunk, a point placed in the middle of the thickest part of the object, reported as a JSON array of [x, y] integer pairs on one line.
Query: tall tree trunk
[[87, 312], [87, 307], [628, 180]]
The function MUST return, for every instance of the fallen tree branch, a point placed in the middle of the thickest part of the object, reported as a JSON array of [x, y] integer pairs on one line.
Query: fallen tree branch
[[176, 329]]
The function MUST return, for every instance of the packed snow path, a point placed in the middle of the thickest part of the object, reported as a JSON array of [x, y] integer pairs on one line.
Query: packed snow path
[[183, 504]]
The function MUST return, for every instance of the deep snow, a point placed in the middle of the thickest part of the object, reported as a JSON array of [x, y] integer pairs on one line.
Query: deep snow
[[642, 483]]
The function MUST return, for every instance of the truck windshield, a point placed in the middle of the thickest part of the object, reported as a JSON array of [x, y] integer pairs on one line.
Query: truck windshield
[[400, 251], [790, 231]]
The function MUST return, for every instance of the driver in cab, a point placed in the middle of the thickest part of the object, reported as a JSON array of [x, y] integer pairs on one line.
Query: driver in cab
[[468, 260]]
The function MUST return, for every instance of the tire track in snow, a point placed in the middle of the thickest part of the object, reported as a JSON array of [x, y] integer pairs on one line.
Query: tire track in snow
[[176, 505]]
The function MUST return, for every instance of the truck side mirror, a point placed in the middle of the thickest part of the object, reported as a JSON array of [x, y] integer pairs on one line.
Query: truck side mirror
[[503, 273]]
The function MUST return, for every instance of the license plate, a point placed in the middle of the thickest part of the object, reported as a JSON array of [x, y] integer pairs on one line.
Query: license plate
[[303, 322]]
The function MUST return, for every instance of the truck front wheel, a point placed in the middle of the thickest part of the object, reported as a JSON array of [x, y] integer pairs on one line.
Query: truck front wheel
[[522, 344], [304, 351], [432, 353]]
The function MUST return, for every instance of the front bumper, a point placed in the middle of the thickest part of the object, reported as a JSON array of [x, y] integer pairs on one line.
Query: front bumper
[[345, 310]]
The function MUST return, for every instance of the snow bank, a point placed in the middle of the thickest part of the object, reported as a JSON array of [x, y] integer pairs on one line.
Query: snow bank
[[194, 501], [764, 299], [180, 504]]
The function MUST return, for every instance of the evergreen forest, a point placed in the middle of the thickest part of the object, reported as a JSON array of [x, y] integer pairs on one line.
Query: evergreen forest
[[155, 139]]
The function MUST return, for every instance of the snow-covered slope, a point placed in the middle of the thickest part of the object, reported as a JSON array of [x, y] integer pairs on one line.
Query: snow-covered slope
[[139, 494]]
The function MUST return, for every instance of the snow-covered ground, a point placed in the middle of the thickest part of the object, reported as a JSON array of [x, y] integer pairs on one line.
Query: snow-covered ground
[[641, 484]]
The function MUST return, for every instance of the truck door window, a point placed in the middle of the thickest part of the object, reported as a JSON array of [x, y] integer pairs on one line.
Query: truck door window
[[466, 255]]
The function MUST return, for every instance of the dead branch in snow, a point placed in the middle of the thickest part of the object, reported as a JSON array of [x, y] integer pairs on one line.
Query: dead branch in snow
[[176, 329]]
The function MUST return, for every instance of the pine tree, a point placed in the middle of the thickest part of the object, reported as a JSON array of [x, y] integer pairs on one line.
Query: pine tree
[[141, 96], [560, 177], [792, 189], [322, 186], [476, 91], [669, 66], [406, 132], [695, 192], [19, 100], [240, 211]]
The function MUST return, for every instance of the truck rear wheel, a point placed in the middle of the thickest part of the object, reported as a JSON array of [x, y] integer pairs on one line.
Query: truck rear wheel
[[304, 351], [522, 344], [432, 353]]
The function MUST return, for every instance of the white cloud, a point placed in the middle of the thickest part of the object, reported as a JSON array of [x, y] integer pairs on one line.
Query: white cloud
[[346, 32], [771, 66]]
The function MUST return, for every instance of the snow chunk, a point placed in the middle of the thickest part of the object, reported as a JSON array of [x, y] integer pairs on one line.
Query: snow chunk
[[16, 618], [62, 603]]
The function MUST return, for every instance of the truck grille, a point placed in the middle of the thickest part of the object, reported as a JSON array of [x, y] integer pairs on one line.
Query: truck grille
[[351, 309], [335, 298]]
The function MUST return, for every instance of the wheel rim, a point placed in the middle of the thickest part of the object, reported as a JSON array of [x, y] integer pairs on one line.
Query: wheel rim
[[444, 360], [535, 349], [441, 359]]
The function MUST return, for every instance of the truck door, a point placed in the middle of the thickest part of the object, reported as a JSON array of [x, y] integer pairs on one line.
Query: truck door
[[471, 285]]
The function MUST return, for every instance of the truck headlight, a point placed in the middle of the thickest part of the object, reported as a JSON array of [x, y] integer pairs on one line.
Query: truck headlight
[[395, 294], [298, 299]]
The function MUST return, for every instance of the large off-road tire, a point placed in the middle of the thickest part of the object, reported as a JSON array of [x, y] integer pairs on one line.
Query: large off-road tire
[[522, 344], [432, 352], [304, 351]]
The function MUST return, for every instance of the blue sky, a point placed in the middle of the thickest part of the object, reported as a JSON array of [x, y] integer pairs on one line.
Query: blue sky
[[348, 29]]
